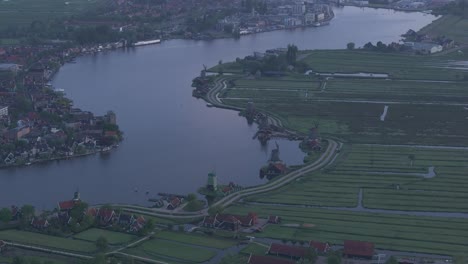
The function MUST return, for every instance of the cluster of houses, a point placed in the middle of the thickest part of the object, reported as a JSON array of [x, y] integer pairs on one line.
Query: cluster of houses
[[426, 44], [278, 15], [288, 254], [103, 217], [39, 117]]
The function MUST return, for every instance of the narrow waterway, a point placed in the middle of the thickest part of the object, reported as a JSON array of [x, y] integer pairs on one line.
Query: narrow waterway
[[171, 139]]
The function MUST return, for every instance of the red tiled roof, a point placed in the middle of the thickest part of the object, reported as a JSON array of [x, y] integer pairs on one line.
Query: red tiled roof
[[280, 166], [141, 220], [319, 246], [209, 220], [92, 212], [106, 213], [67, 205], [175, 202], [358, 248], [298, 252], [268, 260]]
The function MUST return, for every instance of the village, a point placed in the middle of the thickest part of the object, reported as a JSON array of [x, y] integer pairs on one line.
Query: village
[[37, 122]]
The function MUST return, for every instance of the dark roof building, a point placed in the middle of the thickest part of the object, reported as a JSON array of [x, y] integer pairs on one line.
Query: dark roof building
[[358, 249], [320, 247], [293, 252], [267, 260]]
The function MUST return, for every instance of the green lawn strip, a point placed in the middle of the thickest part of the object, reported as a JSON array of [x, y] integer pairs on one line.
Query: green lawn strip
[[30, 259], [47, 241], [175, 250], [114, 238], [196, 239], [255, 249], [139, 252]]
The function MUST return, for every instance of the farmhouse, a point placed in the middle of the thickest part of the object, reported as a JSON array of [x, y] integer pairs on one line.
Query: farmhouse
[[358, 249], [2, 246], [268, 260], [320, 247], [230, 222], [274, 219], [39, 223], [292, 252]]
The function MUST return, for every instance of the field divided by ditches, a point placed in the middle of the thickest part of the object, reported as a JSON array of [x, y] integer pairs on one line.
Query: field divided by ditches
[[171, 252], [396, 90], [46, 241], [436, 235], [360, 122], [409, 169], [401, 66], [196, 239], [271, 89], [113, 238]]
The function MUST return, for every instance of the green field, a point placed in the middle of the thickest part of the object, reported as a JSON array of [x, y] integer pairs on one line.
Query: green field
[[172, 251], [113, 238], [196, 239], [41, 240], [401, 66], [449, 25], [23, 12], [393, 232], [37, 259], [377, 170]]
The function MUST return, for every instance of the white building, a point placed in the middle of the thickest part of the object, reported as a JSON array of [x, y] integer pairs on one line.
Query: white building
[[425, 48], [3, 111]]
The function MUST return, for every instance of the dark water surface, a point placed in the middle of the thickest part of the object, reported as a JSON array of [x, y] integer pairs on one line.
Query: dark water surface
[[171, 139]]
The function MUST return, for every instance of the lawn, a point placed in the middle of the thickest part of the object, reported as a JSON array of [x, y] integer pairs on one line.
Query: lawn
[[196, 239], [161, 249], [36, 239], [255, 249], [114, 238]]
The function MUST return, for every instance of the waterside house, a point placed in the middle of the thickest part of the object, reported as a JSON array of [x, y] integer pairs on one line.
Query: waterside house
[[230, 222], [358, 249]]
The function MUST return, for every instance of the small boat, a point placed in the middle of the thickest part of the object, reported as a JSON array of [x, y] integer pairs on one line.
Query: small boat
[[28, 163]]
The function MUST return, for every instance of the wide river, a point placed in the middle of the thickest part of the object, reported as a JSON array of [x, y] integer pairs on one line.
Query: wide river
[[173, 140]]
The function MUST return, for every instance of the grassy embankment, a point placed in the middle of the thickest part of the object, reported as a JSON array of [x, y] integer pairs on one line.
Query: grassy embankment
[[451, 26]]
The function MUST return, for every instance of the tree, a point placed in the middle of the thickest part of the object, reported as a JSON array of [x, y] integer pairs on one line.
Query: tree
[[101, 244], [311, 255], [215, 210], [191, 197], [350, 45], [334, 258], [5, 215], [78, 211], [27, 212], [291, 54], [392, 260]]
